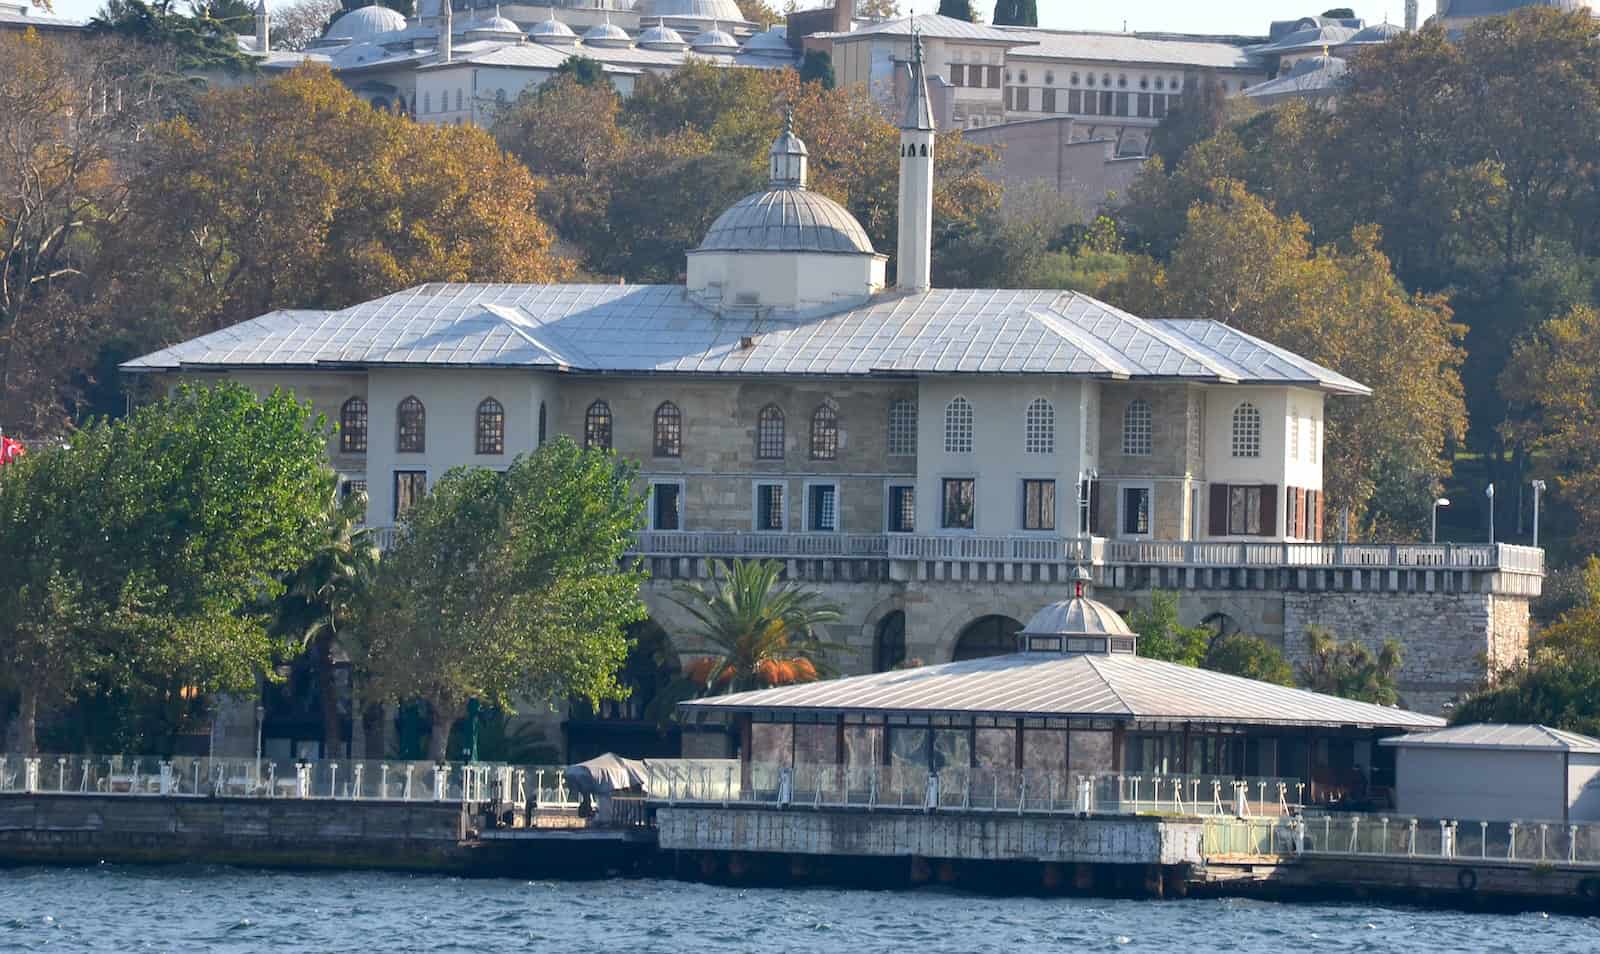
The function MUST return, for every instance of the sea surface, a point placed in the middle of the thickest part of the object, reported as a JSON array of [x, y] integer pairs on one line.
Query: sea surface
[[221, 909]]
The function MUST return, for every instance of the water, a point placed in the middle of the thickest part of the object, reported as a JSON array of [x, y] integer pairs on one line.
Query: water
[[226, 910]]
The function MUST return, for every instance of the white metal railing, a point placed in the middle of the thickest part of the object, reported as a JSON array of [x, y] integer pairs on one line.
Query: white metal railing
[[1397, 836], [974, 789]]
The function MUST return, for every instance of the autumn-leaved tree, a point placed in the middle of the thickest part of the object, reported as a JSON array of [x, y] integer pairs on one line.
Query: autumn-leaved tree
[[505, 587], [295, 193], [135, 554], [1341, 306]]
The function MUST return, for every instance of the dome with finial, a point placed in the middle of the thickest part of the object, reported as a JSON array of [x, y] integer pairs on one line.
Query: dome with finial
[[714, 40], [553, 33], [607, 34], [773, 42], [1078, 625], [365, 22], [496, 27], [664, 38]]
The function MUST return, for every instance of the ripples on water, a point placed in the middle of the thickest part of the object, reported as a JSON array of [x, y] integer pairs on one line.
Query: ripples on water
[[225, 910]]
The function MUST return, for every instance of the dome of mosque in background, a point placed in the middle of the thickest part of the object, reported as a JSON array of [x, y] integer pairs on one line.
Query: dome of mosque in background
[[366, 22]]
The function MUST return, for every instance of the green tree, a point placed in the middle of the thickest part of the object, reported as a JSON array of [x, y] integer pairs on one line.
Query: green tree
[[584, 70], [1350, 669], [199, 42], [1161, 636], [504, 587], [759, 12], [325, 597], [759, 629], [1560, 693], [1016, 13], [958, 9], [817, 67], [140, 549], [1240, 654]]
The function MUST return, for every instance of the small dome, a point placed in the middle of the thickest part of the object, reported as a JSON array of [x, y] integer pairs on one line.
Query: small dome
[[1078, 625], [499, 24], [1377, 33], [662, 37], [787, 220], [1319, 63], [773, 42], [607, 34], [714, 40], [691, 9], [554, 32], [366, 22]]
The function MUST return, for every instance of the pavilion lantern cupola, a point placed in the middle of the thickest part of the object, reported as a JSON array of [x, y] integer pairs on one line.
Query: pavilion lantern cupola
[[1078, 626], [787, 158]]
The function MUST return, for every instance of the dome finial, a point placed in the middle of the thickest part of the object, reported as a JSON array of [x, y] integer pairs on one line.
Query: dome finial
[[787, 158]]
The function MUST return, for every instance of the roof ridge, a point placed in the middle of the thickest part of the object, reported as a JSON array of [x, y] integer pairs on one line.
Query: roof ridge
[[518, 321], [1094, 663], [1069, 330], [1181, 343], [1295, 360]]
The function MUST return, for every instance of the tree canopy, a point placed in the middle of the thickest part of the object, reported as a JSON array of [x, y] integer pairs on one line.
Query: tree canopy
[[1350, 669], [1016, 13], [1162, 637]]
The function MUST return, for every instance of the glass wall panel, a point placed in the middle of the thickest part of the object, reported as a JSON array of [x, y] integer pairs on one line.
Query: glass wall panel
[[863, 745], [952, 748], [1090, 751], [815, 744], [1044, 750], [997, 748], [908, 747], [772, 743]]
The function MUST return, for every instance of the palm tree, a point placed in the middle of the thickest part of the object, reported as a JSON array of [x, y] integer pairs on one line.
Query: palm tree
[[322, 600], [760, 629]]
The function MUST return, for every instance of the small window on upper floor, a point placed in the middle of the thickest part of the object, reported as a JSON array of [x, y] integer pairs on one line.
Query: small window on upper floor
[[769, 433], [1246, 431], [958, 426], [491, 427], [1137, 429], [411, 422], [903, 428], [669, 430], [597, 426], [1294, 437], [353, 426], [543, 423], [1039, 427], [825, 432]]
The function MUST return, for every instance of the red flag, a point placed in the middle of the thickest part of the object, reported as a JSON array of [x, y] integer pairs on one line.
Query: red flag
[[10, 450]]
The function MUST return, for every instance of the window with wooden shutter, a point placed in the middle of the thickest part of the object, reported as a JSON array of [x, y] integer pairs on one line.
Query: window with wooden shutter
[[1268, 526], [1217, 524], [1094, 508]]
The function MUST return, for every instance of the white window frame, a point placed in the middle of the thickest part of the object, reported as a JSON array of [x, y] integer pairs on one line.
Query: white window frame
[[1243, 444], [889, 487], [1123, 486], [838, 507], [1294, 436], [755, 504], [1138, 443], [682, 499], [394, 488], [902, 440], [954, 427]]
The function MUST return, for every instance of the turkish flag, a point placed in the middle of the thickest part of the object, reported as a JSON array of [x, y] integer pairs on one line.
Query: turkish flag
[[10, 450]]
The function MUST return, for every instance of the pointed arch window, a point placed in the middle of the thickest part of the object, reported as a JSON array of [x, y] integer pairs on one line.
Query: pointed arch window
[[412, 423], [825, 432], [597, 426], [1137, 429], [1246, 431], [769, 433], [353, 426], [669, 430], [491, 427], [1039, 427], [958, 426], [903, 428]]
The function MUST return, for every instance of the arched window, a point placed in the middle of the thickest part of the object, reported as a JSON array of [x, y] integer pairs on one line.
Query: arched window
[[903, 428], [825, 432], [427, 101], [986, 636], [958, 426], [889, 650], [491, 427], [597, 426], [412, 421], [543, 422], [353, 426], [1137, 428], [1246, 431], [669, 430], [769, 433], [1039, 427]]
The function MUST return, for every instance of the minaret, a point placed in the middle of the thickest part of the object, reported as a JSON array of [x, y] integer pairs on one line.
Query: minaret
[[444, 32], [913, 263], [263, 24], [1411, 16]]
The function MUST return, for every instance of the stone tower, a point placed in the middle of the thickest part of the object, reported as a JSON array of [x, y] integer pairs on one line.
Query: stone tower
[[913, 264]]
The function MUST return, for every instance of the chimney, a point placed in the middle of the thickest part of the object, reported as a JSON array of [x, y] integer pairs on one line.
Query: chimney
[[844, 13]]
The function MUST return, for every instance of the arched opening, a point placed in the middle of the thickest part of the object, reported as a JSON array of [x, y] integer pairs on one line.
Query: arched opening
[[889, 648], [993, 635]]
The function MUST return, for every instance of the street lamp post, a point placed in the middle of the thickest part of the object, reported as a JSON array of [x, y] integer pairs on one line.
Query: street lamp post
[[1433, 536], [1538, 490], [1489, 492], [261, 714]]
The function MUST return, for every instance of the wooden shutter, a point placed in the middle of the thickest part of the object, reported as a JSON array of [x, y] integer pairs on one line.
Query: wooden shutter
[[994, 77], [1094, 507], [1218, 522], [1318, 506], [1269, 510]]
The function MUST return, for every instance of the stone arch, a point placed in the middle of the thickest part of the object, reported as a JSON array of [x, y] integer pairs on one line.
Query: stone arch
[[889, 641], [991, 635]]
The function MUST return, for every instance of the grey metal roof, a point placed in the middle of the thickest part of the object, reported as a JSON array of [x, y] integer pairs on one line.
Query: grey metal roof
[[788, 220], [1046, 684], [1312, 76], [933, 25], [1528, 738], [660, 328], [1131, 49], [726, 10], [1309, 39]]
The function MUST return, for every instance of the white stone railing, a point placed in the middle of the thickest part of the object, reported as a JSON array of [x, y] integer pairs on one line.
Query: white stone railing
[[733, 544], [1021, 548], [1405, 556]]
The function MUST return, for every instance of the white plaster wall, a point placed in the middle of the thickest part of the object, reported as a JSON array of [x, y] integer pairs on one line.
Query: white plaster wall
[[1479, 784], [1274, 465], [1583, 787], [1305, 471], [787, 279], [999, 460]]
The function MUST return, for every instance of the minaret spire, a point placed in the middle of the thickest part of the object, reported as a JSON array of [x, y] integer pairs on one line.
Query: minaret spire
[[445, 30], [263, 27], [913, 263]]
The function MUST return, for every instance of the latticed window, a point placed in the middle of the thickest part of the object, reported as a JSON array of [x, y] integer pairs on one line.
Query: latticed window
[[903, 428], [958, 426], [597, 426], [412, 421], [1246, 431], [353, 426], [1294, 438], [769, 433], [1039, 427], [825, 433], [669, 430], [1137, 428], [491, 427]]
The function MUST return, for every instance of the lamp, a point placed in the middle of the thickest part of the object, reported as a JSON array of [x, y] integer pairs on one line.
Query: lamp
[[1538, 490], [1489, 492], [1433, 536]]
